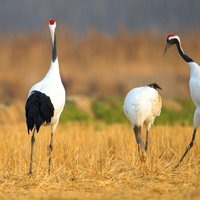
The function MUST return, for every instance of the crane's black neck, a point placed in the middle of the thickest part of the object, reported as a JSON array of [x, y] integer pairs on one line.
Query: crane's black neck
[[181, 52], [54, 50]]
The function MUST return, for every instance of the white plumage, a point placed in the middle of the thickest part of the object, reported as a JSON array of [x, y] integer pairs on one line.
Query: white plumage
[[52, 86], [194, 85], [141, 106], [46, 99]]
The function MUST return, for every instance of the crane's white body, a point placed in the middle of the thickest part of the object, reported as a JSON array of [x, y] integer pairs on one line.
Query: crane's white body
[[142, 105], [52, 86], [194, 84]]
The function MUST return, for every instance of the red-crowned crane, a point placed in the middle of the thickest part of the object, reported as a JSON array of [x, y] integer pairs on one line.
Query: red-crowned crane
[[194, 85], [46, 99], [141, 106]]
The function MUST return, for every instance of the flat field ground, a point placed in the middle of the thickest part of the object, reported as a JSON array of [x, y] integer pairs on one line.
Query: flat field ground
[[98, 161]]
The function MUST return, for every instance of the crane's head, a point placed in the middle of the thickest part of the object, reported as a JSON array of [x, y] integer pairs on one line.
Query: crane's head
[[52, 23], [52, 26], [155, 86], [171, 39]]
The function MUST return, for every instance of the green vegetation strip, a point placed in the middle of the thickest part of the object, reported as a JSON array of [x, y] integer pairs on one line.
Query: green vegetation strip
[[110, 110]]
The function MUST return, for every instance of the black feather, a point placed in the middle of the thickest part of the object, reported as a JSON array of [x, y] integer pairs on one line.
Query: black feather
[[39, 109], [155, 86]]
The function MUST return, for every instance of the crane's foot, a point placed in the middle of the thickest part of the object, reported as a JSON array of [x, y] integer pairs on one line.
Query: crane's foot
[[49, 171], [143, 157], [176, 166], [30, 173], [50, 151], [142, 153]]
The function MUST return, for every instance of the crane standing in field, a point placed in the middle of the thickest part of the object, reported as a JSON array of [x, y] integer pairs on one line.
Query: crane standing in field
[[142, 105], [46, 99], [194, 85]]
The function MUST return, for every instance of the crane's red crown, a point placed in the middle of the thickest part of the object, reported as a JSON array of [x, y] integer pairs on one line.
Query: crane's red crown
[[52, 22], [170, 35]]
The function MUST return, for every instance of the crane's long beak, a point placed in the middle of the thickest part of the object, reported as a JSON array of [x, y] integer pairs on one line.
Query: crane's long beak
[[166, 48]]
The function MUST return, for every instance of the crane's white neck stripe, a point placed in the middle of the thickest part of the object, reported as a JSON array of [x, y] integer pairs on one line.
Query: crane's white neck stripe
[[176, 37], [53, 38]]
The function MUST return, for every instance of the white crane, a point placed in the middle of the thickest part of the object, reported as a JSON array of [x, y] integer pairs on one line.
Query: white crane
[[141, 106], [194, 85], [46, 99]]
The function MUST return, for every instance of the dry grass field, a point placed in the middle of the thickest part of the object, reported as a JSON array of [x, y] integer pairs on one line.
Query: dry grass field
[[98, 161]]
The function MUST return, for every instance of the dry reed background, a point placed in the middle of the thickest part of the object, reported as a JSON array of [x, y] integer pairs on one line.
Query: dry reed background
[[122, 61], [97, 161]]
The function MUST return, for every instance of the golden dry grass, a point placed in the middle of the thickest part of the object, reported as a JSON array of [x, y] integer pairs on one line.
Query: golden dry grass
[[98, 161]]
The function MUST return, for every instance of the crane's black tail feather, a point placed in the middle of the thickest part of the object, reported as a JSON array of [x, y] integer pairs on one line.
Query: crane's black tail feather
[[39, 109]]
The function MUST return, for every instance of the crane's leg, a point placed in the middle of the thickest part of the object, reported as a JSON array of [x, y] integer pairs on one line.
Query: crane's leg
[[32, 143], [53, 128], [148, 126], [189, 147], [51, 148], [141, 149], [146, 143]]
